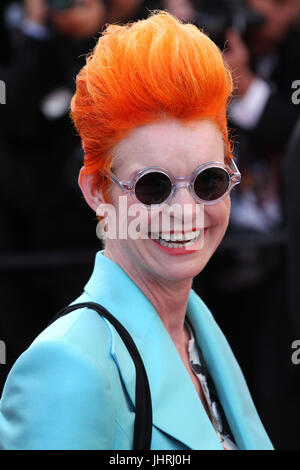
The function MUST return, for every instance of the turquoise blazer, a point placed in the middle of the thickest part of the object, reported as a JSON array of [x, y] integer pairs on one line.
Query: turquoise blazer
[[74, 387]]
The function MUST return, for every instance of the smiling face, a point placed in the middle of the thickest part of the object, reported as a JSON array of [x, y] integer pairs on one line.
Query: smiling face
[[180, 149]]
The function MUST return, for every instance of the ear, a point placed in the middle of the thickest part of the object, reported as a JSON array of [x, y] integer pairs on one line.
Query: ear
[[91, 193]]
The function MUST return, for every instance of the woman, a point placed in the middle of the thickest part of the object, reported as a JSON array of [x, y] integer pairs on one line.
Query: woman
[[150, 107]]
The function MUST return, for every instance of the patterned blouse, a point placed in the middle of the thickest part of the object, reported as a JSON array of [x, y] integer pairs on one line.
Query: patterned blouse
[[217, 415]]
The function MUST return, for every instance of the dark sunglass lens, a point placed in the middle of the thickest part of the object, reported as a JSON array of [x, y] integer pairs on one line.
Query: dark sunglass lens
[[211, 184], [153, 188]]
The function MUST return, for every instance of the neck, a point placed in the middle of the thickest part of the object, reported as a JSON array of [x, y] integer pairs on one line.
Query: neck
[[169, 298]]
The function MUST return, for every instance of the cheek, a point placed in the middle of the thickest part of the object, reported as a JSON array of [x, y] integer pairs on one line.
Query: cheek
[[132, 220], [217, 216]]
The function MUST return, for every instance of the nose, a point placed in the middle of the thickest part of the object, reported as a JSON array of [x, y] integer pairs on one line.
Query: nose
[[183, 194], [186, 209]]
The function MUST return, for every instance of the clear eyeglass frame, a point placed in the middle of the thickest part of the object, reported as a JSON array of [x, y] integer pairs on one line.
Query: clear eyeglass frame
[[181, 182]]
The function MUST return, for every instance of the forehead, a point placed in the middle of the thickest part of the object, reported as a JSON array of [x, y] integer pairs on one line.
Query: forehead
[[171, 144]]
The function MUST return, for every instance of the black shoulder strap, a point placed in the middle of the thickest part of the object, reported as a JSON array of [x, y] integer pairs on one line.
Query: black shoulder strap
[[143, 406]]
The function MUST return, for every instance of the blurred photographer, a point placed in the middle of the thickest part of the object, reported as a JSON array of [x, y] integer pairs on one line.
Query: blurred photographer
[[265, 63], [260, 38], [265, 69], [41, 208], [36, 135]]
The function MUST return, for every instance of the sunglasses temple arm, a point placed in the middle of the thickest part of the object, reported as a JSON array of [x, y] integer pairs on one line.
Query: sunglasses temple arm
[[124, 186], [236, 177]]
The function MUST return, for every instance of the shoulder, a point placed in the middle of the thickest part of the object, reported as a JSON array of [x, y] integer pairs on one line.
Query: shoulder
[[83, 330], [59, 391]]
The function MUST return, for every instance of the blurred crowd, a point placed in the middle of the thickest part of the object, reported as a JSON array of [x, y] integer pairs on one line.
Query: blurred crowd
[[48, 233]]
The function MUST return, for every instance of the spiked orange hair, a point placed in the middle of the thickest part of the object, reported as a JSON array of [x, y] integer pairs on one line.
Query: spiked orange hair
[[142, 71]]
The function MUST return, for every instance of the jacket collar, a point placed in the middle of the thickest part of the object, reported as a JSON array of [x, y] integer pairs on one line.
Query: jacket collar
[[168, 378]]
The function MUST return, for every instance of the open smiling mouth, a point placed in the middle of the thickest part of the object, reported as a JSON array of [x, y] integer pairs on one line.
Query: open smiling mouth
[[178, 240]]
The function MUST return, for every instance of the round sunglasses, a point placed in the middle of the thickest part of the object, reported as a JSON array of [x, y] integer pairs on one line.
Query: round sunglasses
[[209, 183]]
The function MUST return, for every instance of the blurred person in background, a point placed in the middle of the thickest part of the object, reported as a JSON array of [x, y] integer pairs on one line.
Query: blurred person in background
[[42, 211], [260, 40], [266, 62]]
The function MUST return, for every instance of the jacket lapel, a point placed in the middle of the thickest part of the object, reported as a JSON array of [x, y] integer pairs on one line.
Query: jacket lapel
[[177, 409]]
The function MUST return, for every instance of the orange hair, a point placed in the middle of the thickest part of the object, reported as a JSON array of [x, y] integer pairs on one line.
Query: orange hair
[[139, 73]]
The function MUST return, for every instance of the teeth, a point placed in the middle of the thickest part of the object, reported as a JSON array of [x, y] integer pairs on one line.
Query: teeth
[[176, 237], [190, 238]]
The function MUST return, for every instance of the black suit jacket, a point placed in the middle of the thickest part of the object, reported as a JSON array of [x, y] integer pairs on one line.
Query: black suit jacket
[[280, 115]]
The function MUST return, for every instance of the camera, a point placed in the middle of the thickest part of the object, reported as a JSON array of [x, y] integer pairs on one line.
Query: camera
[[216, 17]]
